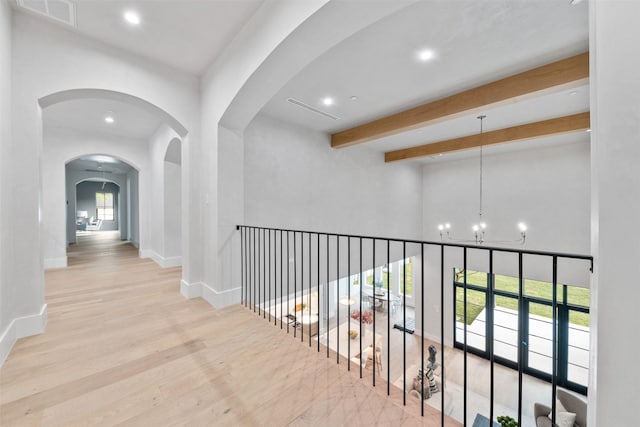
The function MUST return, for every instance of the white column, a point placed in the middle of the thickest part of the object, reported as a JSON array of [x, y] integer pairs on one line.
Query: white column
[[615, 181]]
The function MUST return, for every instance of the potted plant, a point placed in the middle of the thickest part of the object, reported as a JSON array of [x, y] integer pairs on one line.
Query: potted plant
[[507, 421]]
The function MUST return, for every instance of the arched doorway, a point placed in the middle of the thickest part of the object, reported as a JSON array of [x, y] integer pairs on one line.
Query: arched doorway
[[87, 125]]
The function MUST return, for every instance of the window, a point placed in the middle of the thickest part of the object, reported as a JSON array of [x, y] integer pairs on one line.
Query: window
[[104, 206], [500, 320]]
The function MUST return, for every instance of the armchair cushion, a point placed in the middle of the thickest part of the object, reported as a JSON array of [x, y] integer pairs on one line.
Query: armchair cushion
[[570, 402]]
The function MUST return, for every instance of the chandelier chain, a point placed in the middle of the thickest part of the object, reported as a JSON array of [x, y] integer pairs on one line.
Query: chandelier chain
[[481, 149]]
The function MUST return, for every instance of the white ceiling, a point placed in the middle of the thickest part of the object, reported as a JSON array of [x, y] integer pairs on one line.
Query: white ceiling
[[185, 34], [475, 42], [87, 115]]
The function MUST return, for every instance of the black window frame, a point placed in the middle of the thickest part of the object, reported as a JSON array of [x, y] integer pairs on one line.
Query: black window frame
[[562, 317]]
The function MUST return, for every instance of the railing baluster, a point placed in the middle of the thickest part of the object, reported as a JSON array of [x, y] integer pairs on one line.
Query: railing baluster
[[309, 293], [281, 278], [388, 321], [269, 272], [521, 337], [464, 305], [360, 317], [295, 285], [490, 321], [442, 369], [349, 300], [373, 348], [326, 291], [421, 329], [241, 268], [254, 270], [404, 323], [554, 340], [288, 283], [338, 304], [260, 267]]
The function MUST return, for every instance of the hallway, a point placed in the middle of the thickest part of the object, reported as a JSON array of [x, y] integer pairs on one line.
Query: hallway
[[123, 347]]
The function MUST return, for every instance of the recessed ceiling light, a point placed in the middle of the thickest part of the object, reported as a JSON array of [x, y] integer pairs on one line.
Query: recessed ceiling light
[[573, 92], [132, 17], [574, 2], [109, 118], [327, 101], [426, 55], [353, 98]]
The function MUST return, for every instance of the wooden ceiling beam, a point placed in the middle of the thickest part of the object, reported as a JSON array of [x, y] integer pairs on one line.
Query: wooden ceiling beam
[[573, 123], [561, 75]]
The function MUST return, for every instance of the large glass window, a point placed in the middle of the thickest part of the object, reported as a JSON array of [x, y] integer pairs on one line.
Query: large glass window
[[104, 206], [533, 313]]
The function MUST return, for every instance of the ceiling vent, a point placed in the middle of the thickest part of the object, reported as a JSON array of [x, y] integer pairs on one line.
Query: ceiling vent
[[310, 108], [63, 11]]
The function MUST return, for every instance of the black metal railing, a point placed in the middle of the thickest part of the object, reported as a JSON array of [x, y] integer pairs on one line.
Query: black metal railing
[[278, 280]]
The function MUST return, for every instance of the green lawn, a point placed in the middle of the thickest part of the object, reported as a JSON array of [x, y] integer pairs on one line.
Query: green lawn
[[534, 288]]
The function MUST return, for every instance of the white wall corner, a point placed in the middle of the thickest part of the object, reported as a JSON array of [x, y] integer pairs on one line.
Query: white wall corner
[[175, 261], [220, 299], [60, 262], [146, 253], [7, 340], [190, 290], [22, 327]]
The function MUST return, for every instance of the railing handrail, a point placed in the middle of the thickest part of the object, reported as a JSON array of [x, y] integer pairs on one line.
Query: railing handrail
[[431, 242]]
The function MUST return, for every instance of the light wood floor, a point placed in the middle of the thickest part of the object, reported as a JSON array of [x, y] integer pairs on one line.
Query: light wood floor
[[123, 347]]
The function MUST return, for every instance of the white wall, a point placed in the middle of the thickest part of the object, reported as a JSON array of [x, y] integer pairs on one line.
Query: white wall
[[59, 147], [548, 188], [279, 40], [615, 120], [133, 211], [48, 59], [294, 179], [7, 300], [172, 208], [162, 247]]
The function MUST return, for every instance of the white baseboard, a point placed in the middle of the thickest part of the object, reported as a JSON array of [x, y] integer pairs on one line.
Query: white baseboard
[[22, 327], [220, 299], [190, 290], [55, 262], [174, 261]]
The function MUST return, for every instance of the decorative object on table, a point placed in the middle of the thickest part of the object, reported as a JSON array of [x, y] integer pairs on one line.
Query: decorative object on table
[[409, 327], [429, 381], [378, 288], [433, 365], [365, 317], [507, 421], [300, 307]]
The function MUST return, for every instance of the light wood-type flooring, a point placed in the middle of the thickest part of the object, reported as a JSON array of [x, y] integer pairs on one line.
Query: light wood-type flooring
[[123, 347]]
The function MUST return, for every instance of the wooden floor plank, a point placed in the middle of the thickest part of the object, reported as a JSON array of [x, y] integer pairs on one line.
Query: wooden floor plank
[[123, 347]]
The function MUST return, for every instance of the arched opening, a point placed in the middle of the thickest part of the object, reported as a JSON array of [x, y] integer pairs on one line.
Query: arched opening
[[102, 195], [99, 136]]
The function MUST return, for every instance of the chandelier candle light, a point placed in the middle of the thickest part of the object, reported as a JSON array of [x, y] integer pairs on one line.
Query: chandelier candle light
[[480, 227]]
